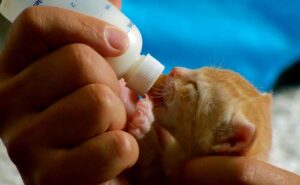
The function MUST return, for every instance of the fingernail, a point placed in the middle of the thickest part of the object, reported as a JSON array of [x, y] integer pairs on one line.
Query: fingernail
[[117, 39]]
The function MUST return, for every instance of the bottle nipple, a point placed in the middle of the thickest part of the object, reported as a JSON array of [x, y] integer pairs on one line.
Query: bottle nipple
[[141, 77]]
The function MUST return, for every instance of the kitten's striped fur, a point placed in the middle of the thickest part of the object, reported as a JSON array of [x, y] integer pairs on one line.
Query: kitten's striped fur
[[204, 112]]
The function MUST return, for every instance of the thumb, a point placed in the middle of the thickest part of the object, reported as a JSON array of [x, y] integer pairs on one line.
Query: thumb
[[45, 29], [235, 170]]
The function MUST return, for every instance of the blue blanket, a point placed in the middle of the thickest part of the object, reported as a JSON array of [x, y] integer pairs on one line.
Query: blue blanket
[[257, 38]]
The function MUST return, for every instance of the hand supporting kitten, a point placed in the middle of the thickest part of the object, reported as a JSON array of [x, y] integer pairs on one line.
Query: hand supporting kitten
[[199, 113]]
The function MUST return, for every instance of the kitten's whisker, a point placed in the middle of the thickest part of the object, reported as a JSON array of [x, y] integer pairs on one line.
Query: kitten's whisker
[[157, 88], [160, 95], [157, 94]]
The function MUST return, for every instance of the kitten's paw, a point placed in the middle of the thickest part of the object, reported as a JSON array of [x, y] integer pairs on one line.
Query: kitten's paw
[[142, 119]]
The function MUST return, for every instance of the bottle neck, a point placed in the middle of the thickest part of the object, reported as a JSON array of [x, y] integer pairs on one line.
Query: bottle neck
[[143, 74]]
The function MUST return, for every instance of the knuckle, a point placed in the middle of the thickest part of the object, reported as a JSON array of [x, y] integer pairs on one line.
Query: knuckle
[[81, 58], [80, 51], [31, 19], [105, 108], [122, 145], [79, 54], [102, 97]]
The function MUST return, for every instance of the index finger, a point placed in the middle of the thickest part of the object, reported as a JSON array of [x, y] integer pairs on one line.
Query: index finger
[[40, 30]]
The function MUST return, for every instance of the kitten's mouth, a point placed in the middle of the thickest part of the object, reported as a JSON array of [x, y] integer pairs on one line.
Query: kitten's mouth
[[163, 90]]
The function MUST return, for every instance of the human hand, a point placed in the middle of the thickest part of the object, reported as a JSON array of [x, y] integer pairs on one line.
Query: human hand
[[61, 115], [235, 170]]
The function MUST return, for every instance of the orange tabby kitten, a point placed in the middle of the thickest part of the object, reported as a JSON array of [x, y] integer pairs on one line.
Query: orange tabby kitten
[[199, 112]]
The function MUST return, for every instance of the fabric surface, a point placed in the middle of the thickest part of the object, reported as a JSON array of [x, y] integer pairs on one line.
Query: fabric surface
[[286, 129], [257, 38]]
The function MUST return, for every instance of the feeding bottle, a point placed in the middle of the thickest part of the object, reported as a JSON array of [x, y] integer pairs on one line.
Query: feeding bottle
[[140, 72]]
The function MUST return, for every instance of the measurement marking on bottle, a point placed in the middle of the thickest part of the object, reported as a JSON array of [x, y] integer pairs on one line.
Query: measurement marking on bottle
[[37, 2], [129, 26], [108, 6], [73, 4]]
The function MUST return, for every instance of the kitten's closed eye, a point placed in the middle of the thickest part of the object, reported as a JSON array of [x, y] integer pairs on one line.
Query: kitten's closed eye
[[206, 112], [224, 97]]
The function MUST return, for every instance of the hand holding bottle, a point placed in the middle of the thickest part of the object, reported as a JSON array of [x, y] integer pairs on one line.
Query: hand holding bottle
[[61, 115]]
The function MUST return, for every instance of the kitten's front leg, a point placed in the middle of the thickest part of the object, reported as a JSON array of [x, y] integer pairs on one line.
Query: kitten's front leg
[[142, 119], [139, 111]]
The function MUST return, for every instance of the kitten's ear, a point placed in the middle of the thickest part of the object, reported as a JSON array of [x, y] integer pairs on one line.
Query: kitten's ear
[[234, 137]]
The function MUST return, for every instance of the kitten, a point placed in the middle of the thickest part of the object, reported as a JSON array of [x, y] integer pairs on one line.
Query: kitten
[[198, 112]]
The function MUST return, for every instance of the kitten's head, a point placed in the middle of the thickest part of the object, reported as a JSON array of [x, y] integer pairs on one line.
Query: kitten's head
[[212, 111]]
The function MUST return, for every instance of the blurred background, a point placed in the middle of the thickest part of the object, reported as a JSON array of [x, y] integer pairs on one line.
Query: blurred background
[[259, 39]]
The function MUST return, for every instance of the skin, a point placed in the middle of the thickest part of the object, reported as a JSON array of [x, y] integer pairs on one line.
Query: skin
[[59, 99], [234, 170], [58, 103], [173, 150]]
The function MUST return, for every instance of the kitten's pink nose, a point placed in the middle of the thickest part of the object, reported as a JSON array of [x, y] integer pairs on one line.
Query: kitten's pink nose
[[179, 71]]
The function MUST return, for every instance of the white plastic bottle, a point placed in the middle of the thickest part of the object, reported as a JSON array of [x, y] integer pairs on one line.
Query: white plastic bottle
[[139, 71]]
